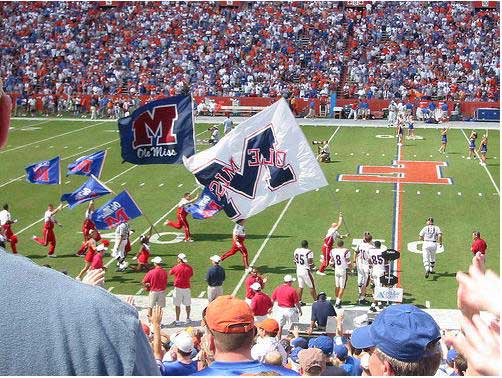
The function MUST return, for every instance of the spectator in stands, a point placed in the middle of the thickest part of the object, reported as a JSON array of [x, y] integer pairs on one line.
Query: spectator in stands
[[68, 327], [406, 341], [230, 337], [288, 302], [321, 310], [351, 365], [182, 273], [312, 362], [267, 341], [261, 304], [155, 282], [326, 345], [215, 277], [182, 347], [273, 358], [353, 111], [478, 244]]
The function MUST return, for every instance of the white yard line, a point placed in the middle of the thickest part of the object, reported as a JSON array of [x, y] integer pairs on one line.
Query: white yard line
[[34, 124], [106, 182], [484, 166], [52, 137], [201, 295], [63, 159]]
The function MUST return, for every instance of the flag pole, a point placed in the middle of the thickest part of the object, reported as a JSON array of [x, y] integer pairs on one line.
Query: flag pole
[[151, 224]]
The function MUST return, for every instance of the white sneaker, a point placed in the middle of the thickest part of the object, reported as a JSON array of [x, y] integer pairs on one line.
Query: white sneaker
[[468, 158], [188, 240], [320, 273], [34, 237], [52, 256]]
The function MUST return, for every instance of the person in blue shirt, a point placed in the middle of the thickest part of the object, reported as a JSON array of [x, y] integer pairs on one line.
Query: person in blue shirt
[[351, 365], [472, 144], [231, 334], [444, 140], [483, 149], [183, 347]]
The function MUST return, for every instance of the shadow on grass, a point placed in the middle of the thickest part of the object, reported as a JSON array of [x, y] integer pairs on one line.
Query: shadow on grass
[[228, 236], [408, 298], [438, 275]]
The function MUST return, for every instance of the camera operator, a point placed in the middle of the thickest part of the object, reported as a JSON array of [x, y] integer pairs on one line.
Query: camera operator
[[324, 154]]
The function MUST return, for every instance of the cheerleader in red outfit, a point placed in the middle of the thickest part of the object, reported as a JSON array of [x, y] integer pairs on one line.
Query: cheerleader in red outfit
[[181, 214], [5, 222], [329, 239], [88, 226], [239, 235], [143, 256], [49, 238]]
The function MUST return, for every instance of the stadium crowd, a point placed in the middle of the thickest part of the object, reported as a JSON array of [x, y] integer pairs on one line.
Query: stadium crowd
[[83, 330], [433, 49], [299, 49]]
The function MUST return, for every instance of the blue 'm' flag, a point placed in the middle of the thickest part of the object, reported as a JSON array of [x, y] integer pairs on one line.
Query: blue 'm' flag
[[205, 207], [120, 209], [46, 172], [160, 132], [90, 190], [88, 165]]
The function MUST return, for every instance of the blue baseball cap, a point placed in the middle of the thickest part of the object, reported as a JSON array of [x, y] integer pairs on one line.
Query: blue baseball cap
[[400, 331], [324, 343], [294, 354], [341, 352], [452, 354], [300, 342]]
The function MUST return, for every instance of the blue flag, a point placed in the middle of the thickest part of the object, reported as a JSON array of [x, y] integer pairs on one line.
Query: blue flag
[[205, 207], [160, 132], [90, 190], [120, 209], [88, 165], [46, 172]]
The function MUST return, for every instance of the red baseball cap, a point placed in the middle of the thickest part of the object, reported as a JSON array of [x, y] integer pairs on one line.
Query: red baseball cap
[[227, 314]]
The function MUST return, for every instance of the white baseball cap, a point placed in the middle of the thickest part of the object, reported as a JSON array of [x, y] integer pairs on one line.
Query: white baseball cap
[[183, 341], [157, 260], [183, 257], [289, 278], [215, 258], [256, 286], [101, 247]]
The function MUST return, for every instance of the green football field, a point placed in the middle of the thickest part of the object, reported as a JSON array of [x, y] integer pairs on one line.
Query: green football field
[[391, 212]]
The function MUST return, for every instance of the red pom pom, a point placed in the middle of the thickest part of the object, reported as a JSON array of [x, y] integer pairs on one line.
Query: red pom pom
[[105, 242]]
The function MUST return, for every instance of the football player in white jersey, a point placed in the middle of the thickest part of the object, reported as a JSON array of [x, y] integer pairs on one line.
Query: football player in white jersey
[[431, 236], [340, 259], [377, 268], [119, 248], [304, 260], [361, 261]]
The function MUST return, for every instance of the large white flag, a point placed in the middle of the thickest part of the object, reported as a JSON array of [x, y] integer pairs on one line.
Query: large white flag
[[263, 161]]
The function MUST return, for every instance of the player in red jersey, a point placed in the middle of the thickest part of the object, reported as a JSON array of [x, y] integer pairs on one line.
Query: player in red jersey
[[49, 238], [5, 222], [239, 235], [88, 226], [181, 214], [329, 239]]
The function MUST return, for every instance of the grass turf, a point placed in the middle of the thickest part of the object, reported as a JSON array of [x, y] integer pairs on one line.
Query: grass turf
[[367, 206]]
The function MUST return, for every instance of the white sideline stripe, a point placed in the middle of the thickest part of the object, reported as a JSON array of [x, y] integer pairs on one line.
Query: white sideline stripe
[[170, 294], [33, 124], [63, 159], [180, 185], [484, 166], [123, 183], [262, 247], [106, 182], [139, 291], [110, 289], [52, 137], [201, 295], [161, 185], [142, 184]]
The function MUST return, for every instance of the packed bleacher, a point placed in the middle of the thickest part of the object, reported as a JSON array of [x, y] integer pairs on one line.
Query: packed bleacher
[[447, 50]]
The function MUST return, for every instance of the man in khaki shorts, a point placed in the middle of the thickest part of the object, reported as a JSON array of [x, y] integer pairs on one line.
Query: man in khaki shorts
[[215, 277], [155, 282], [182, 273]]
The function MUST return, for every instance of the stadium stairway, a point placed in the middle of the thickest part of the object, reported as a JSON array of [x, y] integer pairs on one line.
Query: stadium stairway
[[447, 319]]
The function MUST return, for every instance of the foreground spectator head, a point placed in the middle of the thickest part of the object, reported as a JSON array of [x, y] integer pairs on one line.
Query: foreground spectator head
[[273, 358], [312, 362], [324, 343], [406, 342], [183, 342], [299, 342]]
